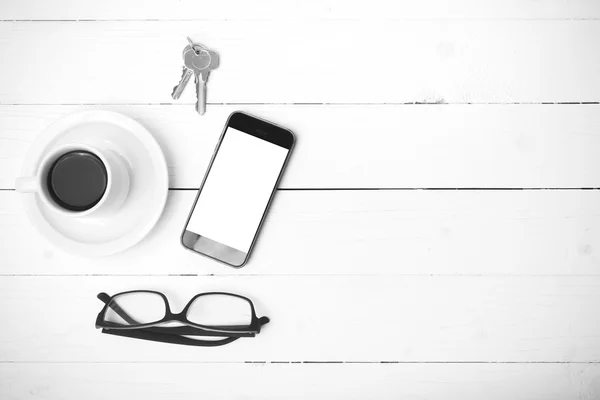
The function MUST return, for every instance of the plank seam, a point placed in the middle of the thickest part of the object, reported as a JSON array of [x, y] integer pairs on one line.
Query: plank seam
[[410, 103], [312, 274], [305, 19], [300, 362]]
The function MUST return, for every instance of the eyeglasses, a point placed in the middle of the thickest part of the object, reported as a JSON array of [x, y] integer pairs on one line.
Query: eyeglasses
[[140, 314]]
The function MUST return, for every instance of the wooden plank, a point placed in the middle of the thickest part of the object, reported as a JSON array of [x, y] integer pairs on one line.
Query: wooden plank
[[268, 9], [322, 318], [301, 381], [428, 61], [357, 146], [355, 232]]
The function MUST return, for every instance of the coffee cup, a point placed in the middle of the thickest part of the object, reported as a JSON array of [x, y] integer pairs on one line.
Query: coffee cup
[[79, 180]]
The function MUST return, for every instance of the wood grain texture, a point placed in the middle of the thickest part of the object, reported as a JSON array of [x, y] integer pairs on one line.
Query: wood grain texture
[[357, 146], [425, 61], [469, 294], [355, 233], [324, 318], [304, 10], [153, 381]]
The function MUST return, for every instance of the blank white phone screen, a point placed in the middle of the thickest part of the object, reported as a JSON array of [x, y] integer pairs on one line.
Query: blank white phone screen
[[237, 189]]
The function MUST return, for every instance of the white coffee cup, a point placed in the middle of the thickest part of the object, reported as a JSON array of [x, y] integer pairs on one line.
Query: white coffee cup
[[117, 181]]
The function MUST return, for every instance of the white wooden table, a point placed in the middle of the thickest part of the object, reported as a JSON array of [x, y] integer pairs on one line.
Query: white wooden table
[[436, 235]]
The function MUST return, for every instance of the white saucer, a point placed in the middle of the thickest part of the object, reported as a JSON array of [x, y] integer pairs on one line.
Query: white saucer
[[147, 196]]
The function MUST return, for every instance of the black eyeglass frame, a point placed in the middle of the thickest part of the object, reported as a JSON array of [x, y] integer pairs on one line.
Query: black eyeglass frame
[[190, 328]]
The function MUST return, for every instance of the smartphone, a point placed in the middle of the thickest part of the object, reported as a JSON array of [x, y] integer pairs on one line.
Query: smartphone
[[237, 189]]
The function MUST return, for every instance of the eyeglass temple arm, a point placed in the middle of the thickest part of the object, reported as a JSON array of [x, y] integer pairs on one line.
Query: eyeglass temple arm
[[105, 298], [262, 321], [193, 331], [225, 330], [145, 334]]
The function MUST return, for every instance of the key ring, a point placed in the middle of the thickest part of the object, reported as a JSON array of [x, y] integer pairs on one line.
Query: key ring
[[195, 47]]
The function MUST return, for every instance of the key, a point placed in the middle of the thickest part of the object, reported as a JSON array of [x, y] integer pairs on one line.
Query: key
[[185, 78], [186, 74], [201, 61]]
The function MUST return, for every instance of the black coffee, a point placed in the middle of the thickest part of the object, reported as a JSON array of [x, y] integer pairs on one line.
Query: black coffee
[[77, 180]]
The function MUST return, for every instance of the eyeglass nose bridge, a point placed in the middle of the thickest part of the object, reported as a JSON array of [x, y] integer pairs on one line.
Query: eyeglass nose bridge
[[175, 316]]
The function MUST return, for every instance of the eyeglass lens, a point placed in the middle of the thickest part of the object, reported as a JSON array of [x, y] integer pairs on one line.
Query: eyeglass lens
[[136, 308], [220, 310]]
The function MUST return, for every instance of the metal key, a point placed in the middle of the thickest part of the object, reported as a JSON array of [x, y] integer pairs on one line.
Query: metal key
[[200, 61], [186, 74], [185, 78]]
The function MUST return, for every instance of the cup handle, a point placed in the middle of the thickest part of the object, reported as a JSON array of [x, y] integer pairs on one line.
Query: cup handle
[[27, 184]]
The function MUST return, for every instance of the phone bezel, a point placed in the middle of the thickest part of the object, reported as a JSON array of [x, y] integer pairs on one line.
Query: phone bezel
[[260, 129]]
